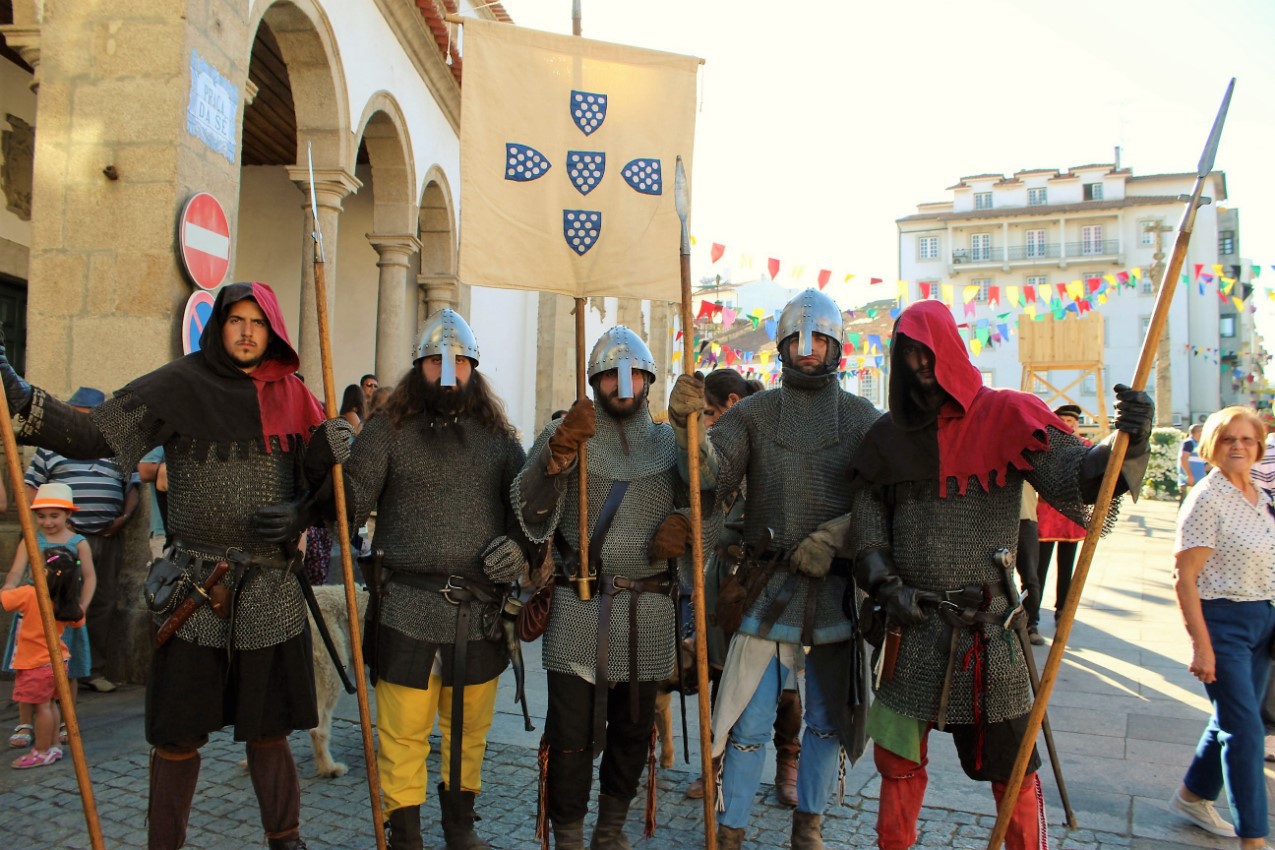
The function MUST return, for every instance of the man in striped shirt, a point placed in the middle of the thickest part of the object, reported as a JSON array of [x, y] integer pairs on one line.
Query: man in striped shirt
[[106, 498], [1263, 474]]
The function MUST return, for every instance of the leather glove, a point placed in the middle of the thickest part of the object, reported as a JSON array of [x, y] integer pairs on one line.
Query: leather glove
[[503, 560], [671, 539], [329, 444], [813, 556], [875, 573], [16, 390], [1135, 414], [573, 431], [282, 522], [687, 398]]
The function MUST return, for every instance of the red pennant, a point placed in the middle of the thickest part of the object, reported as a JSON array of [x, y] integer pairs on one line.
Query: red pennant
[[715, 253], [1062, 291], [993, 295], [925, 291], [1030, 292], [824, 275], [677, 337], [772, 266], [875, 280], [1198, 267], [1084, 305], [705, 310], [1094, 283]]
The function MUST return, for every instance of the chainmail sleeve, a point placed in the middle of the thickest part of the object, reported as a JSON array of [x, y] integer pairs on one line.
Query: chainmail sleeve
[[870, 523], [729, 442], [113, 429], [367, 468], [1058, 476], [539, 513]]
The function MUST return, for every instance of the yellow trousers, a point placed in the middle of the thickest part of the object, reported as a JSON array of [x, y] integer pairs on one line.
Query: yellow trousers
[[404, 718]]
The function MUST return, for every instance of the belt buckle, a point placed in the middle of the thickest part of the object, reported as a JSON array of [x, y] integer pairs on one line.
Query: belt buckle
[[446, 592]]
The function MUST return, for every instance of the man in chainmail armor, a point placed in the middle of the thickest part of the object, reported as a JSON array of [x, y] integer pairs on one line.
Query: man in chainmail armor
[[237, 426], [437, 464], [936, 514], [604, 656], [792, 446]]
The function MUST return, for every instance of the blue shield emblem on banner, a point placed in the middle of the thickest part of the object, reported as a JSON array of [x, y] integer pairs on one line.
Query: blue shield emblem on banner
[[588, 110], [524, 163], [645, 176], [581, 229], [585, 168]]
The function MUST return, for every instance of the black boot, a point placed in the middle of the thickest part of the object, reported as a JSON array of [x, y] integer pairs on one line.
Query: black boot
[[608, 832], [172, 787], [405, 829], [293, 843], [458, 820], [569, 836]]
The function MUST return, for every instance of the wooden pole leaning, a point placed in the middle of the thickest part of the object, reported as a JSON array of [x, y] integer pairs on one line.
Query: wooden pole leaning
[[1102, 506], [697, 524], [50, 631], [343, 534], [584, 580]]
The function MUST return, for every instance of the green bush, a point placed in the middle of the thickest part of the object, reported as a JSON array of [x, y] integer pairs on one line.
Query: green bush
[[1161, 481]]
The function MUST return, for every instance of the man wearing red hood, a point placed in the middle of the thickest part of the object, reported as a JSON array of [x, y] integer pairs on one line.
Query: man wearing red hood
[[935, 520], [239, 433]]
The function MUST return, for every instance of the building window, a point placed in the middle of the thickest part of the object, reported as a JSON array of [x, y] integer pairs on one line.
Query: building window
[[1093, 191], [1035, 243], [1089, 386], [1037, 197], [1226, 326], [934, 293], [1148, 284], [1037, 280], [989, 379], [980, 246], [983, 284], [1146, 237], [1091, 240], [1146, 323], [1226, 242], [867, 385], [928, 247], [982, 200]]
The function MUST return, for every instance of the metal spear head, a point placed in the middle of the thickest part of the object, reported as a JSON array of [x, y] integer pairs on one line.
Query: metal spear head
[[1215, 135], [681, 202], [317, 233]]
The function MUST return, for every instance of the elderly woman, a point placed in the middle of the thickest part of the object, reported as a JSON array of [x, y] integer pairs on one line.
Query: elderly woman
[[1225, 566]]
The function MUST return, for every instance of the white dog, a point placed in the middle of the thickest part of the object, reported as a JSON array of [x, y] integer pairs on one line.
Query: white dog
[[327, 682]]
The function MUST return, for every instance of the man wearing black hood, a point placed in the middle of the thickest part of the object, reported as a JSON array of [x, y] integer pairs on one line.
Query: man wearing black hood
[[934, 523], [238, 431]]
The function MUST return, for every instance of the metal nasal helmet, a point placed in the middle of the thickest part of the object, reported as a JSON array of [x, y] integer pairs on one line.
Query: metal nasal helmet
[[809, 313], [623, 350], [447, 334]]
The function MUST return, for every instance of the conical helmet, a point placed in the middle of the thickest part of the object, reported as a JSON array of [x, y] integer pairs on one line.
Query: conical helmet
[[809, 313], [448, 334], [623, 350]]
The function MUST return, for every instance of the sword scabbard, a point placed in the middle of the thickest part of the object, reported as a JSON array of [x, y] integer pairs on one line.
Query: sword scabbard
[[184, 611]]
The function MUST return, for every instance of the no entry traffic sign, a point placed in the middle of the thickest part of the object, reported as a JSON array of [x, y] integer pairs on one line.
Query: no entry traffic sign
[[199, 309], [203, 236]]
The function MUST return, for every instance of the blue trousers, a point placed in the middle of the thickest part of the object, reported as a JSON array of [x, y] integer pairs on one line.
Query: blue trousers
[[745, 756], [1231, 749]]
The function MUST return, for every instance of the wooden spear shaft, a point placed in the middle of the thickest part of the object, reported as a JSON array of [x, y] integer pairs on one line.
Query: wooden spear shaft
[[584, 580], [51, 639], [697, 551], [1102, 506], [343, 534]]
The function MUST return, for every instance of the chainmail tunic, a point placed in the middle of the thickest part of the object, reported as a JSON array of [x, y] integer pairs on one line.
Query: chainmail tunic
[[440, 499], [793, 445], [655, 491], [211, 501], [942, 544]]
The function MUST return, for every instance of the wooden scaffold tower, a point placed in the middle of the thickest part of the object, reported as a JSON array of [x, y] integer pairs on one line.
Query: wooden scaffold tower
[[1070, 345]]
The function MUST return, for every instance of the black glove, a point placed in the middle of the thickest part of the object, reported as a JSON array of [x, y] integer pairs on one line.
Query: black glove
[[1135, 414], [329, 444], [282, 522], [16, 390], [875, 573]]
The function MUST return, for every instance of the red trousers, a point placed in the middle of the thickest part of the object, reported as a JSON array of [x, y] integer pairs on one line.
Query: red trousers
[[903, 790]]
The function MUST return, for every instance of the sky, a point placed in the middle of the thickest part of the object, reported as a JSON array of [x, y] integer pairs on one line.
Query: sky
[[820, 123]]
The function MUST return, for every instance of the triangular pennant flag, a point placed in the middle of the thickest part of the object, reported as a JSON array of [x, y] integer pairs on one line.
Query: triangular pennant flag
[[772, 265], [872, 281], [716, 251], [824, 275], [949, 292], [1198, 268], [925, 290], [968, 293], [994, 295]]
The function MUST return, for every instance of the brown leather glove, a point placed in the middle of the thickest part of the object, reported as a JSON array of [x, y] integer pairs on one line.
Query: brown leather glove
[[576, 428], [671, 539], [687, 398]]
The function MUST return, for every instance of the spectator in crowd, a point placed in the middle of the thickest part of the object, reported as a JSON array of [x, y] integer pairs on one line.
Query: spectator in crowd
[[1056, 531], [1191, 467], [106, 498], [354, 407], [369, 384], [1225, 585], [1264, 478], [379, 398]]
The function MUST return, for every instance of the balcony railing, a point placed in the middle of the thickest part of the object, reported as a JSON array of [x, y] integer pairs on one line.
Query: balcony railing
[[1037, 251], [1093, 248]]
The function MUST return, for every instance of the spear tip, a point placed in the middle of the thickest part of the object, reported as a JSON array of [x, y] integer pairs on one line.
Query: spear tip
[[679, 189], [1215, 135]]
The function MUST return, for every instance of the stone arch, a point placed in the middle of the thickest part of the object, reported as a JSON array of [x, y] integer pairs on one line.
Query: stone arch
[[383, 131], [440, 286]]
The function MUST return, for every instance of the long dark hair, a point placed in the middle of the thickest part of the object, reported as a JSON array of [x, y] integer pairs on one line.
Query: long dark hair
[[720, 383], [353, 399], [62, 573], [413, 397]]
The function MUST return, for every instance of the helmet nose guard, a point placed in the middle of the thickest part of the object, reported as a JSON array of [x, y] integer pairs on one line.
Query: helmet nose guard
[[809, 313], [448, 335], [623, 350]]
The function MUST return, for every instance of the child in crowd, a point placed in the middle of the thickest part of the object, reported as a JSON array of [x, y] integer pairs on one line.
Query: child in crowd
[[52, 507]]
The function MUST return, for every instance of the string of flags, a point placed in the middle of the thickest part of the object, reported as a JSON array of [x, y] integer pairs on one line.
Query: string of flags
[[863, 354]]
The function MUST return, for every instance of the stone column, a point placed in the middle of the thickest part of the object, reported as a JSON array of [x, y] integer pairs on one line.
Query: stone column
[[393, 348], [660, 339], [26, 41], [331, 185], [439, 291], [555, 355]]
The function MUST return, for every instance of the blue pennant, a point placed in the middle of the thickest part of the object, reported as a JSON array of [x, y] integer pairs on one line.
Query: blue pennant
[[645, 176], [585, 169], [524, 163], [581, 229], [588, 110]]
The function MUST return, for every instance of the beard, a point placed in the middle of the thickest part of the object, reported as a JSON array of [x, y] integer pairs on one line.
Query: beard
[[246, 362], [621, 408], [445, 401]]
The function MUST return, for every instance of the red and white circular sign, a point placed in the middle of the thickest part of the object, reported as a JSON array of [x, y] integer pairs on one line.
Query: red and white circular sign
[[203, 237]]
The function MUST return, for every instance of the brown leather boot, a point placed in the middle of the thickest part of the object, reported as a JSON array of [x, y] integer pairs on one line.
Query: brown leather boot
[[787, 747], [807, 831], [173, 775], [458, 820], [695, 791], [569, 836], [786, 776], [274, 779], [608, 832], [404, 831], [729, 837]]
